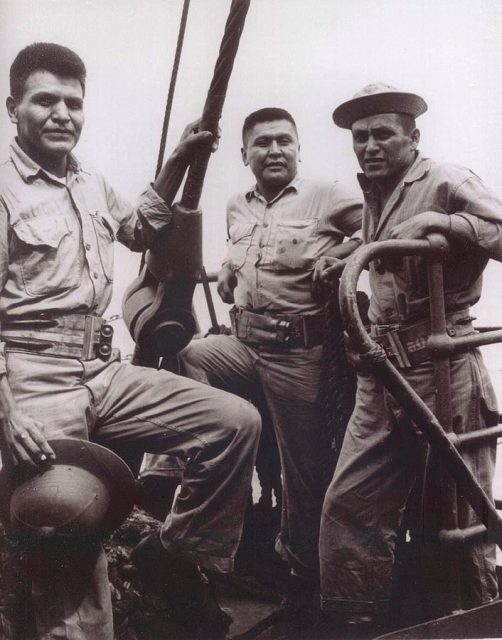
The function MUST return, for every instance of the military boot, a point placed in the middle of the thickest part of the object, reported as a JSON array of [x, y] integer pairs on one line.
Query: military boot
[[299, 609], [194, 609]]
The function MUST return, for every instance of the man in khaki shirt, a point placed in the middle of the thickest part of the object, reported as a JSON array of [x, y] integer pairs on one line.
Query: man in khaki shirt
[[406, 196], [277, 231], [58, 223]]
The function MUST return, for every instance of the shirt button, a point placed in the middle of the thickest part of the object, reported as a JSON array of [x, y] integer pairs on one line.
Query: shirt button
[[265, 225], [87, 246], [95, 276]]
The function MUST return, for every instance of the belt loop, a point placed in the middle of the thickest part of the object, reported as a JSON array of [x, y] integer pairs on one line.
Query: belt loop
[[89, 330], [233, 320]]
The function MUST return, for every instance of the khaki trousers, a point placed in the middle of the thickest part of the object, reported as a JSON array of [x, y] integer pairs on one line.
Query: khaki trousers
[[373, 479], [133, 410]]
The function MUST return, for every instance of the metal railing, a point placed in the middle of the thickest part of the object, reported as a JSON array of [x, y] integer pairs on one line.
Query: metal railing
[[437, 430]]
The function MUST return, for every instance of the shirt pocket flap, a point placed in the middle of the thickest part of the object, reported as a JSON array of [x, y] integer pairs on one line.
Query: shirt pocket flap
[[43, 231], [305, 224]]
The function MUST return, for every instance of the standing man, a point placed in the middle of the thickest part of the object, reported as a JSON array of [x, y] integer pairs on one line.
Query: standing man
[[278, 230], [58, 221], [406, 196]]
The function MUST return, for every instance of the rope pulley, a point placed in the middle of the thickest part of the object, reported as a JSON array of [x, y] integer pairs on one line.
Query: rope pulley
[[157, 307]]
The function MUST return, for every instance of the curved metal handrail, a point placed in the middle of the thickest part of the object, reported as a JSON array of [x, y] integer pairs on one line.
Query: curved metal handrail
[[435, 246]]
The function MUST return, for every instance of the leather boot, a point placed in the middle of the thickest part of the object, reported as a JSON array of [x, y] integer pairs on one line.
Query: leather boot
[[299, 609], [193, 606]]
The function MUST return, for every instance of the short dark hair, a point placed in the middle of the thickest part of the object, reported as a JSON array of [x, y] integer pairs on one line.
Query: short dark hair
[[267, 114], [44, 56]]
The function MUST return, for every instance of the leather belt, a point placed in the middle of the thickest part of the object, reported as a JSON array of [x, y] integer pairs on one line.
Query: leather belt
[[277, 329], [70, 336], [406, 345]]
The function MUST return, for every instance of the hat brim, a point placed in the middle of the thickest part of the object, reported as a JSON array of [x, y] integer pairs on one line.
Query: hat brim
[[100, 461], [349, 112]]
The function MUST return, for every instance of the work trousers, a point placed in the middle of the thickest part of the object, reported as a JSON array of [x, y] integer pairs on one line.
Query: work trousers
[[376, 470], [136, 409], [289, 380]]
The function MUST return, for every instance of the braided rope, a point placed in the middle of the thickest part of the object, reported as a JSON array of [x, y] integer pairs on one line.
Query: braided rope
[[215, 99]]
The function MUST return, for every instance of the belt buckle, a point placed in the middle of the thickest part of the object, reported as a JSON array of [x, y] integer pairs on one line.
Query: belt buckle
[[282, 330]]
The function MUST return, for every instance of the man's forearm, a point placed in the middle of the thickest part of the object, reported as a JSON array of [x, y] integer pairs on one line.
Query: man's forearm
[[344, 249], [170, 177]]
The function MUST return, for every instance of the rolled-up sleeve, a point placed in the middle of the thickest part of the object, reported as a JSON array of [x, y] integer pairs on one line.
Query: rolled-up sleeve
[[478, 216], [154, 213], [138, 227], [345, 213]]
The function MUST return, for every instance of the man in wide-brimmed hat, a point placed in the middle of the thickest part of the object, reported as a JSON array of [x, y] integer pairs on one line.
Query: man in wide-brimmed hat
[[406, 196]]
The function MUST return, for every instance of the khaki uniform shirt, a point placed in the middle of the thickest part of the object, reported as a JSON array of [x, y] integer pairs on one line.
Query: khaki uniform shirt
[[399, 285], [273, 246], [57, 235]]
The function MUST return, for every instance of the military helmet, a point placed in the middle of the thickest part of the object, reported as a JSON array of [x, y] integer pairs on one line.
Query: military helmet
[[87, 491]]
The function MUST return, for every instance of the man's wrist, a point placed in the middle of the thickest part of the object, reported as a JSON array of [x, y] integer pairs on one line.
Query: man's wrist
[[441, 224]]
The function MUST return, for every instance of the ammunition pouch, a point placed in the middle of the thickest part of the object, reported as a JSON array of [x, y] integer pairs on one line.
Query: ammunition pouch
[[70, 336], [157, 306], [406, 345], [275, 329]]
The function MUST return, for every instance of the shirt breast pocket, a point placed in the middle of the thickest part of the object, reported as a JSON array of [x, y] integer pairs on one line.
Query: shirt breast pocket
[[45, 254], [105, 236], [296, 244], [241, 236]]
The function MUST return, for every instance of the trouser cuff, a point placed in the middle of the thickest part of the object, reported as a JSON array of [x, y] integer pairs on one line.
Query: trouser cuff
[[197, 554]]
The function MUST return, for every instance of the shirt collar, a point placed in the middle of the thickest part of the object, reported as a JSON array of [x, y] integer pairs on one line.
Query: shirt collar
[[417, 171], [29, 169], [294, 185]]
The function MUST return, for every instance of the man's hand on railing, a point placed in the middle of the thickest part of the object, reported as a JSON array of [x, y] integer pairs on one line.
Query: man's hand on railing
[[421, 225], [327, 270]]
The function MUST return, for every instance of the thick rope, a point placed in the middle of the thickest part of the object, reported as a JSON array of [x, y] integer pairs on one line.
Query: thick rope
[[215, 99]]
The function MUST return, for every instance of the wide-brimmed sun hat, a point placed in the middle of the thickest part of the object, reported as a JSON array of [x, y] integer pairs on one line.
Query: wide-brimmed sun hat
[[87, 491], [376, 98]]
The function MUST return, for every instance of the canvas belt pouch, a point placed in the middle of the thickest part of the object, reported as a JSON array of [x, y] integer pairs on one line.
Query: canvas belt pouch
[[70, 336], [277, 329], [406, 345]]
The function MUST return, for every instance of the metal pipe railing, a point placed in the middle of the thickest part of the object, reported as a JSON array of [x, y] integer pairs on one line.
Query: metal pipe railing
[[404, 393]]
